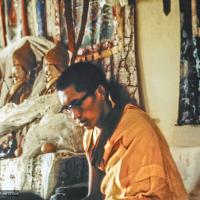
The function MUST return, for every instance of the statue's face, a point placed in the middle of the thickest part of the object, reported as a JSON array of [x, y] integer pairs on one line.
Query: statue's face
[[18, 74], [51, 72]]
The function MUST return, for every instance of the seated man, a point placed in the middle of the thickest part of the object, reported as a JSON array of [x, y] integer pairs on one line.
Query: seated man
[[128, 156], [55, 62], [22, 74]]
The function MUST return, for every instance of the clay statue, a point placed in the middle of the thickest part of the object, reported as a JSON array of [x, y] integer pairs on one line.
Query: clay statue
[[22, 74], [55, 62]]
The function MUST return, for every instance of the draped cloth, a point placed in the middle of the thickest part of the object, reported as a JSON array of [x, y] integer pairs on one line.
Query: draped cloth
[[189, 101]]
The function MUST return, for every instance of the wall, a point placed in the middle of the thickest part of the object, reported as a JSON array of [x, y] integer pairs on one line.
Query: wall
[[158, 47]]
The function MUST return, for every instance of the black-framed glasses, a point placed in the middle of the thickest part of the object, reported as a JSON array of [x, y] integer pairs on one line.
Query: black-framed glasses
[[75, 103]]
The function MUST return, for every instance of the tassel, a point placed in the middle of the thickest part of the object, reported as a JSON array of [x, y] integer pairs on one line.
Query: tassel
[[131, 2], [166, 6], [25, 30]]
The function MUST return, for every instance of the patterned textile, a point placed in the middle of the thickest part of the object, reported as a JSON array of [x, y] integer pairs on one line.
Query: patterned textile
[[122, 64], [189, 100], [40, 174], [109, 39]]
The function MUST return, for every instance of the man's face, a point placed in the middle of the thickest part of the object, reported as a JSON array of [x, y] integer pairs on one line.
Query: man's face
[[85, 108], [17, 72], [51, 72]]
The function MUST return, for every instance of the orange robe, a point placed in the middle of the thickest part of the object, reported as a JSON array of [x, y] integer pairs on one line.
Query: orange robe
[[137, 161]]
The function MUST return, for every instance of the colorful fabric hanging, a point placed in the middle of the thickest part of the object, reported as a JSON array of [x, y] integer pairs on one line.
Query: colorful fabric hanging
[[2, 25], [25, 30], [13, 19], [31, 13], [63, 23], [53, 20], [109, 39], [40, 15], [189, 99], [36, 17]]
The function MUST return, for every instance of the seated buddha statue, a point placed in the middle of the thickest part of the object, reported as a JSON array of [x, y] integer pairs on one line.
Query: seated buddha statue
[[55, 62], [22, 74]]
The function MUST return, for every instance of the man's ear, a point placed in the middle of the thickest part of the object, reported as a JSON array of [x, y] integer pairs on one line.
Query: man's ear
[[101, 92]]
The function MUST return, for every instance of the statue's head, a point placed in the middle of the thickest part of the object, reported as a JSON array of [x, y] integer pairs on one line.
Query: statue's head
[[55, 62], [24, 62]]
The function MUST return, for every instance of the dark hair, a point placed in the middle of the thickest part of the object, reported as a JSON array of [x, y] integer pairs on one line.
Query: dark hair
[[84, 76]]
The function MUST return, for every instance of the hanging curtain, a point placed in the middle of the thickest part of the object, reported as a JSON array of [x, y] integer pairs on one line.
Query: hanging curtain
[[189, 99], [53, 20], [98, 31], [2, 25], [13, 20], [109, 39]]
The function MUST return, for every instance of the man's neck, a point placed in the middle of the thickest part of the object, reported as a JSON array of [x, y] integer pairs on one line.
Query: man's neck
[[107, 109]]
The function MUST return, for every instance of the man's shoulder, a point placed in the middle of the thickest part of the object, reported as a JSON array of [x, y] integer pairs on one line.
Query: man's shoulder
[[134, 123], [132, 115]]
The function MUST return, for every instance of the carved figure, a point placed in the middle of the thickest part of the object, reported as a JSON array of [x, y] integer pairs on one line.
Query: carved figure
[[22, 74], [55, 62]]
